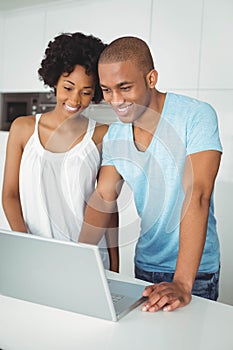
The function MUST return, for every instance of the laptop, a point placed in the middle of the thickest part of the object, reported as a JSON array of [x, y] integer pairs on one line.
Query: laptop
[[64, 275]]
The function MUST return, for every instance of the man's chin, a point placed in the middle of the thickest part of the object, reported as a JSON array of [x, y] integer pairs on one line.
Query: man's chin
[[125, 119]]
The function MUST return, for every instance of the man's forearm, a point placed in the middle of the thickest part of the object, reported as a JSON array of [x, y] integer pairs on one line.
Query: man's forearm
[[97, 218], [112, 240], [192, 240]]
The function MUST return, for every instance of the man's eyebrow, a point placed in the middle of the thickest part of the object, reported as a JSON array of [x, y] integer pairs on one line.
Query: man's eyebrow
[[124, 83], [119, 84]]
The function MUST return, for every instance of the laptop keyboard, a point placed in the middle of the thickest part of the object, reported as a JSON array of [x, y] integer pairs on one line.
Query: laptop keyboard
[[117, 297]]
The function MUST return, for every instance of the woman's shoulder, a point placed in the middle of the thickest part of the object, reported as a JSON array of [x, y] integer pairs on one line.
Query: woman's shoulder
[[23, 127], [24, 121], [99, 132]]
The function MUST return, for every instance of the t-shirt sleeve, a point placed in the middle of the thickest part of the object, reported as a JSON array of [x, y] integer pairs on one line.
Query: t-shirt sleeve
[[202, 131], [107, 158]]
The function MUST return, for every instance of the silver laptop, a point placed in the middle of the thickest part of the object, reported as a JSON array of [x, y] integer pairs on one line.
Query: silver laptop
[[63, 275]]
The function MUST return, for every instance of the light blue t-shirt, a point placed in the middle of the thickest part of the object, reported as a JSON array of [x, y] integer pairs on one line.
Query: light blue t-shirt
[[186, 126]]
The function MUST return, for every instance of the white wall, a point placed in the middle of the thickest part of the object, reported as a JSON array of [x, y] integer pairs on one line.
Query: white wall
[[27, 32], [1, 49], [191, 42], [23, 49]]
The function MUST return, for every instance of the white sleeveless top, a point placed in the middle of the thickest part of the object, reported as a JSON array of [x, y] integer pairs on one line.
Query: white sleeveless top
[[55, 187]]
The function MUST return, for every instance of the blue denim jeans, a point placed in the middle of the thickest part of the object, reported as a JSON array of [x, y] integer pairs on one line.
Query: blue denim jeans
[[206, 285]]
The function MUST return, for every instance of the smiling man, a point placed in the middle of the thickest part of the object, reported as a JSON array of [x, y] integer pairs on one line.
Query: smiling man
[[166, 147]]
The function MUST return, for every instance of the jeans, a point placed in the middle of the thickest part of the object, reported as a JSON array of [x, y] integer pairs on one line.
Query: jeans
[[206, 285]]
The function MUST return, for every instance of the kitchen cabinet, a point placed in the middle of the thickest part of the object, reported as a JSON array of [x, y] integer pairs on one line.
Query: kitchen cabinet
[[175, 42], [27, 32], [23, 48], [105, 19], [217, 49], [1, 51]]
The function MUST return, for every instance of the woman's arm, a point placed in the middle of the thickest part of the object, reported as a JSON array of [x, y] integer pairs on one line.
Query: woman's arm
[[10, 192]]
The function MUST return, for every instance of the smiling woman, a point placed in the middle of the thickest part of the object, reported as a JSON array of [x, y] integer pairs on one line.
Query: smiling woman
[[75, 91], [53, 158]]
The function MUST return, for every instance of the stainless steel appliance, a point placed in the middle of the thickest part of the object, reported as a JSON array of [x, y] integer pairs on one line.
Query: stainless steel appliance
[[21, 104]]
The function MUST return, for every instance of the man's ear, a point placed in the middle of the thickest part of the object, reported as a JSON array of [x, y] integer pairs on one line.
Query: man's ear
[[152, 78]]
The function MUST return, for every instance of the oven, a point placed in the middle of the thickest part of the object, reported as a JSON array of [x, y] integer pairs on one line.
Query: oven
[[22, 104]]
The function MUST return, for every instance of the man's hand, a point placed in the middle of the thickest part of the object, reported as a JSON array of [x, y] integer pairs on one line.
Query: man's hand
[[167, 296]]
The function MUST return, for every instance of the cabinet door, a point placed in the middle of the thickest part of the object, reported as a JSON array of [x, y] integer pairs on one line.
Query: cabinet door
[[23, 48], [104, 19], [175, 42], [217, 50], [1, 47]]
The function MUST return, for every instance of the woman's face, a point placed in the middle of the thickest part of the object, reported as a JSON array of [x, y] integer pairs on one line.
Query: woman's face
[[75, 91]]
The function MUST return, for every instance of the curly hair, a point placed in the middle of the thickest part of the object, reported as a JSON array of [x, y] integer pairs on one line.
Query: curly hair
[[65, 52]]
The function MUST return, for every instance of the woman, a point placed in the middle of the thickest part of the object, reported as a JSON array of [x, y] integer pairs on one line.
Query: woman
[[53, 159]]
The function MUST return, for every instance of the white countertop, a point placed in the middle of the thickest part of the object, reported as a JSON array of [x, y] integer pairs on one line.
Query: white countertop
[[202, 324]]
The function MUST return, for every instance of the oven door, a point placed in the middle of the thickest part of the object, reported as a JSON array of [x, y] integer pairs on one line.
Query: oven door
[[15, 105]]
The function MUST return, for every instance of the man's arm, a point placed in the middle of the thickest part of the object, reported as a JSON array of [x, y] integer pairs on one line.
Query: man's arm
[[111, 236], [199, 177], [101, 205]]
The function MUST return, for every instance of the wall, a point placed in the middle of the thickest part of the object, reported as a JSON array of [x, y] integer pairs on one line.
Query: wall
[[1, 48], [42, 23], [191, 44]]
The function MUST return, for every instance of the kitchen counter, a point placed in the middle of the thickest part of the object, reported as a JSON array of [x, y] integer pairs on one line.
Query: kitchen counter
[[202, 325]]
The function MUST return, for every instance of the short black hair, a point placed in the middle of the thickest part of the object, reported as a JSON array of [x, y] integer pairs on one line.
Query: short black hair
[[66, 51], [129, 48]]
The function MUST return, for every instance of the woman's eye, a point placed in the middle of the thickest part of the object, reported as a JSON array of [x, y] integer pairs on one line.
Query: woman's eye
[[86, 93], [67, 88]]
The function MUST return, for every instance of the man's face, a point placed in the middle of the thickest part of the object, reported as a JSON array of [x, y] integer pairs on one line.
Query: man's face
[[125, 87]]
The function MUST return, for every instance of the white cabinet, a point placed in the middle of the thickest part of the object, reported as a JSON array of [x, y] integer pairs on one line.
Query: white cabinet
[[223, 205], [23, 47], [26, 33], [217, 50], [175, 42], [1, 50], [222, 101], [104, 19]]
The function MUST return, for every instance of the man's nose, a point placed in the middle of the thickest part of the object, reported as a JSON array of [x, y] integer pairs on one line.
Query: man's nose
[[117, 97]]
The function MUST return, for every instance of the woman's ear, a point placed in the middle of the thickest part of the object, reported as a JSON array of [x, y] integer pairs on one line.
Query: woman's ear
[[152, 78]]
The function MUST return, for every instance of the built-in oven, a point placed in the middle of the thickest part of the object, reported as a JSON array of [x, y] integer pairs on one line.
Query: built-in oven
[[22, 104]]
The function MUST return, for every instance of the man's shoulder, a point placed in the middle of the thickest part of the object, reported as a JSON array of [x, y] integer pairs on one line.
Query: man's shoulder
[[181, 108], [189, 102], [118, 130]]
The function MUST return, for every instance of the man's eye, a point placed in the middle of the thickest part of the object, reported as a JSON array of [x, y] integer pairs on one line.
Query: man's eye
[[125, 88], [86, 93], [106, 90]]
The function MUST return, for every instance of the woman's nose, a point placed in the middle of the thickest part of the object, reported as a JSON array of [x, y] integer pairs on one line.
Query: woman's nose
[[75, 99]]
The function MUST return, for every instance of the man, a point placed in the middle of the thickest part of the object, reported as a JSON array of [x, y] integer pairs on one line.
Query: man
[[167, 148]]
